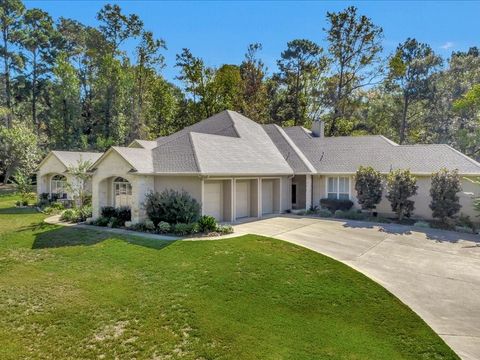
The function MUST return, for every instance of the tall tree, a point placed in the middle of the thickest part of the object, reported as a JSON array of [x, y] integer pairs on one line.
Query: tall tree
[[355, 47], [255, 98], [410, 70], [196, 77], [149, 63], [116, 27], [36, 39], [301, 66], [11, 12]]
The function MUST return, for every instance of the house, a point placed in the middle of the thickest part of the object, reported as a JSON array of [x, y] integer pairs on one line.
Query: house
[[237, 168], [53, 172]]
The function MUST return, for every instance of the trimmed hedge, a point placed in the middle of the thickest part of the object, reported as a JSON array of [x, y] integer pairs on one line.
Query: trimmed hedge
[[336, 204]]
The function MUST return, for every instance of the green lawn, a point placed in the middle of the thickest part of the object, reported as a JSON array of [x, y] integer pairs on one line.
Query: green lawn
[[81, 294]]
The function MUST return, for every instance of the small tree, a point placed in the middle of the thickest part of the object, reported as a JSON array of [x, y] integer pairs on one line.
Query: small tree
[[78, 185], [401, 185], [445, 202], [368, 184], [23, 187]]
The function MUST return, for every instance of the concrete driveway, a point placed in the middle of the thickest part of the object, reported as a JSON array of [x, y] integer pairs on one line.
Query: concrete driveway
[[436, 273]]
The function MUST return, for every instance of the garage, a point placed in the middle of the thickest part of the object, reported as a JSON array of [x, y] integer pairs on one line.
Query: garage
[[242, 196], [267, 197], [213, 199]]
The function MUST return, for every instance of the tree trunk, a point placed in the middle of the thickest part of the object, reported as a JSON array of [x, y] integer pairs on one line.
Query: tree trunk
[[34, 93], [403, 125], [7, 77], [336, 112]]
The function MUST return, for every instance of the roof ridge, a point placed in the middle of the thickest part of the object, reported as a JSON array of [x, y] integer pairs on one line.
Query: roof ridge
[[295, 148], [473, 161], [197, 161]]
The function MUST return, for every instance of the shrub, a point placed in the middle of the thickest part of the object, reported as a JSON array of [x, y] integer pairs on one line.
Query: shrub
[[25, 202], [149, 225], [108, 211], [207, 223], [324, 213], [422, 224], [336, 204], [163, 227], [114, 223], [123, 214], [224, 229], [68, 215], [465, 221], [172, 206], [401, 185], [368, 184], [445, 186], [84, 213], [18, 203], [101, 221], [181, 229], [57, 206]]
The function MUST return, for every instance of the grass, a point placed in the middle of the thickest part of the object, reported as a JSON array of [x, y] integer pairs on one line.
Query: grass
[[80, 294]]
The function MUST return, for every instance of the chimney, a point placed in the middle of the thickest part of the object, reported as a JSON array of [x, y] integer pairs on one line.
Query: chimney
[[318, 128]]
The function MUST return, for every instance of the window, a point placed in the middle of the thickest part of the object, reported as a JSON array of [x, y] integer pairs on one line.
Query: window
[[338, 187], [123, 192], [58, 184]]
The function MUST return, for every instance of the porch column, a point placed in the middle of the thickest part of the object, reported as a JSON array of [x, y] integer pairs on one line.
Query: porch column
[[308, 191], [141, 185]]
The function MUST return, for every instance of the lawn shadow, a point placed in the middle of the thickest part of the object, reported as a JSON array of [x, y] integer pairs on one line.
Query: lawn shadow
[[76, 236], [17, 211], [437, 235]]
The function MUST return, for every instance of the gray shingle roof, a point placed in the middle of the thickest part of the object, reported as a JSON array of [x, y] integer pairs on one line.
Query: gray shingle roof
[[347, 154], [226, 143], [291, 153], [71, 158]]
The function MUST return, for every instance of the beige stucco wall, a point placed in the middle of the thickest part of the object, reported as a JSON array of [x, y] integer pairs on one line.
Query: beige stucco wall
[[191, 184], [422, 199], [112, 166], [51, 167]]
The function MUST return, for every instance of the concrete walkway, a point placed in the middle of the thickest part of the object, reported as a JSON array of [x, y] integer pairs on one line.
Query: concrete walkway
[[436, 273]]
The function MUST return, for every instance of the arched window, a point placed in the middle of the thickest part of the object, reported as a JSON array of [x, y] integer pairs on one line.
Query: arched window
[[58, 184], [122, 190]]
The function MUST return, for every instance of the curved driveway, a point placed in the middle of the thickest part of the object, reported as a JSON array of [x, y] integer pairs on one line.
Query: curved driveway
[[436, 273]]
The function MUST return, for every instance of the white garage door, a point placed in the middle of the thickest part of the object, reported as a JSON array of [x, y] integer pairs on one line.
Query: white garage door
[[267, 196], [212, 200], [242, 198]]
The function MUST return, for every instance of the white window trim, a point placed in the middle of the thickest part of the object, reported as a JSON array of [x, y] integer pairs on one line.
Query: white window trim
[[337, 179]]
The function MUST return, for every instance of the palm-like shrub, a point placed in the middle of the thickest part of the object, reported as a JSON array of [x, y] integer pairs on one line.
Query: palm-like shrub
[[172, 206], [401, 185], [368, 184], [445, 186]]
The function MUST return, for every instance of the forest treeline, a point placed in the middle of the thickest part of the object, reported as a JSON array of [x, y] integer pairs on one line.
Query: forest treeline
[[65, 85]]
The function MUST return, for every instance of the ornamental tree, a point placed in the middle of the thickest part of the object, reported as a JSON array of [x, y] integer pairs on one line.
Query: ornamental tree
[[368, 184], [401, 185], [445, 202]]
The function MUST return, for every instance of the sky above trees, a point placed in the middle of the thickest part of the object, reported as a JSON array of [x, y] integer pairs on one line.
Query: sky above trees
[[219, 32]]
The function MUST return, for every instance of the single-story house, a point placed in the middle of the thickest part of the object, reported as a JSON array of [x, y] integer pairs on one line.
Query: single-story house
[[237, 168], [53, 172]]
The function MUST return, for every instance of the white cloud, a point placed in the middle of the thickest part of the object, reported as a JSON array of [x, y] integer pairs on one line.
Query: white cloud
[[447, 45]]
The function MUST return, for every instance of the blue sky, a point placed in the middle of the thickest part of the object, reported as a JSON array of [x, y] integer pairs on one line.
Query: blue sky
[[220, 32]]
